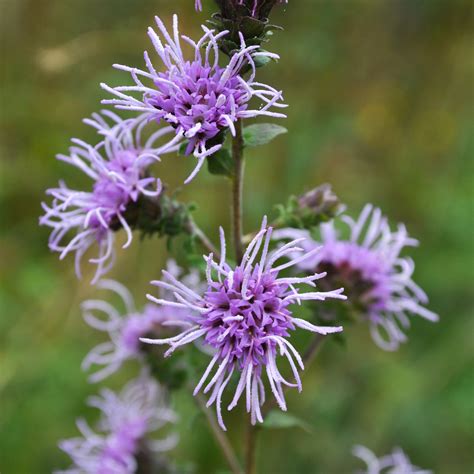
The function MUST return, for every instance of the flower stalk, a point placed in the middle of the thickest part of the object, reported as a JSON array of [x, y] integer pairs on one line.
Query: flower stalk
[[194, 230], [250, 448], [237, 189], [220, 436], [237, 228]]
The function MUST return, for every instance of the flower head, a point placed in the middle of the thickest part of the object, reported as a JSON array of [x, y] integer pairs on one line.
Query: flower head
[[125, 330], [395, 463], [122, 435], [377, 280], [196, 96], [117, 166], [245, 316], [254, 8]]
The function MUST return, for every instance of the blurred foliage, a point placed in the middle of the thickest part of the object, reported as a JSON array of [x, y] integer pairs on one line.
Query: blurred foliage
[[380, 96]]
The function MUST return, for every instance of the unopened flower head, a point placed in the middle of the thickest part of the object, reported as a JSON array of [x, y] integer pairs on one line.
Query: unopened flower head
[[310, 209], [377, 280], [122, 435], [320, 201], [254, 8], [394, 463], [124, 331], [117, 166], [196, 96], [245, 315]]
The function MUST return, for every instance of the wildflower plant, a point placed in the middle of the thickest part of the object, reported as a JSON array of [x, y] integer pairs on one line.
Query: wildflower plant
[[230, 328]]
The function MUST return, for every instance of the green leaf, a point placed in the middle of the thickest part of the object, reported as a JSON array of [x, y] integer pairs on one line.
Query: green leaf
[[221, 163], [262, 133], [261, 61], [281, 419]]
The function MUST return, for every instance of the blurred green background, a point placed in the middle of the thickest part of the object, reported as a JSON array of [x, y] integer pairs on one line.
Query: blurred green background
[[380, 96]]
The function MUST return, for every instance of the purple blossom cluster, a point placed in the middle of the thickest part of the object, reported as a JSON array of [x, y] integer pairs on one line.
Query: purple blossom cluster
[[396, 462], [117, 166], [124, 331], [123, 432], [198, 97], [369, 266], [245, 316]]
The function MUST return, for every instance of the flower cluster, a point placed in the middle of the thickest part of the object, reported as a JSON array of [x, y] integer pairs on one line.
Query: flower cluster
[[395, 463], [378, 281], [121, 440], [117, 166], [124, 331], [245, 316], [196, 96]]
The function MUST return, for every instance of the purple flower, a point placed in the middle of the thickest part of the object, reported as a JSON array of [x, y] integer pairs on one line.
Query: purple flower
[[374, 275], [117, 167], [394, 463], [245, 317], [127, 419], [124, 331], [196, 96]]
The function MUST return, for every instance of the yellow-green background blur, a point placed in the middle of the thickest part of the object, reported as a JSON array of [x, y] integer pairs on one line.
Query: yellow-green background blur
[[380, 95]]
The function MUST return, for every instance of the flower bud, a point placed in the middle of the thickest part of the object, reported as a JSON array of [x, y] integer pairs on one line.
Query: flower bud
[[310, 209], [320, 201], [258, 9], [248, 18]]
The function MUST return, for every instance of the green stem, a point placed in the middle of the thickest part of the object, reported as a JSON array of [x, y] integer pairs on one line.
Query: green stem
[[312, 349], [250, 449], [237, 199], [219, 436], [237, 188], [194, 229]]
